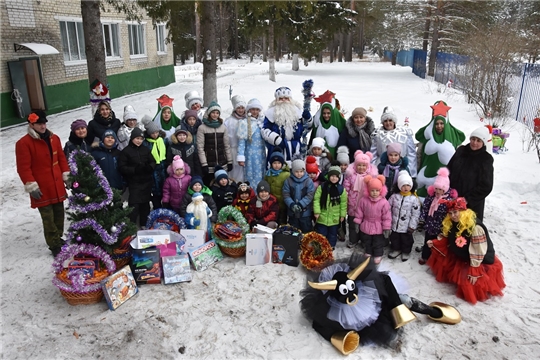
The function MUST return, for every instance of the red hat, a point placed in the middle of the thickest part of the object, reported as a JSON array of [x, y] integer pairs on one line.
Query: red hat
[[455, 204], [311, 165]]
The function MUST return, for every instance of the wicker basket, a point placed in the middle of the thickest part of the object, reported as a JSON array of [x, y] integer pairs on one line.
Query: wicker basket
[[234, 249], [121, 257], [74, 298]]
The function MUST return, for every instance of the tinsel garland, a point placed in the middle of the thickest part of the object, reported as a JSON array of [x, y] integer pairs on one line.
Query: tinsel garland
[[107, 238], [78, 281], [233, 212], [102, 180], [316, 251]]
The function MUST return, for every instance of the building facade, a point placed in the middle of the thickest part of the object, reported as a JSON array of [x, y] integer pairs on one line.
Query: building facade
[[43, 60]]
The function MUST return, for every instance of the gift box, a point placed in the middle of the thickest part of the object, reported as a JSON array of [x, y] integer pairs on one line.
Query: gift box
[[119, 287], [149, 238], [145, 266], [87, 266], [193, 238], [258, 249], [205, 255], [263, 229], [176, 269], [285, 248], [85, 257]]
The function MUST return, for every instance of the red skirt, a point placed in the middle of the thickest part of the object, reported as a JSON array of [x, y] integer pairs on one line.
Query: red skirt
[[447, 267]]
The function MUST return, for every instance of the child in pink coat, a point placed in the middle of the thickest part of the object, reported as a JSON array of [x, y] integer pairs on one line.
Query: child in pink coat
[[354, 184], [176, 185], [374, 217]]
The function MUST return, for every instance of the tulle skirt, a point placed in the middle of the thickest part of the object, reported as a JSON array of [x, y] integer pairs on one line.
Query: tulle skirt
[[447, 267]]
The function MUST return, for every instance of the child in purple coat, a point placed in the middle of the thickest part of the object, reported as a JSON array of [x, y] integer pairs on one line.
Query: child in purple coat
[[176, 185], [374, 217]]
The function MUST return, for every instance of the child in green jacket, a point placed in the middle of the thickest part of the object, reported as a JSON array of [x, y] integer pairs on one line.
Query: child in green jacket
[[330, 205], [276, 176]]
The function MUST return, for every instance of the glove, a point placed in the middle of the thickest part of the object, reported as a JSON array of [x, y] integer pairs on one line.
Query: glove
[[36, 194], [306, 115], [253, 223], [357, 228], [229, 167], [166, 205], [278, 140], [205, 170], [386, 233], [195, 222], [296, 208]]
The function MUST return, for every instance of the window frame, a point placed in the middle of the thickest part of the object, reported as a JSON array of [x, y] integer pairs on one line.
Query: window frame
[[112, 38], [79, 34], [137, 33], [163, 40]]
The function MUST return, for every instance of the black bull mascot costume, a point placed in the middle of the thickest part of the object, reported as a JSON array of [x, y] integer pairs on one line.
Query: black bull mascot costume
[[358, 303]]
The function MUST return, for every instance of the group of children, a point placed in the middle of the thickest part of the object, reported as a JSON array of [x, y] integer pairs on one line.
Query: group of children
[[172, 161]]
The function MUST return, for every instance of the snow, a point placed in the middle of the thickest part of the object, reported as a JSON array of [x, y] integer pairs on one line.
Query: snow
[[240, 312]]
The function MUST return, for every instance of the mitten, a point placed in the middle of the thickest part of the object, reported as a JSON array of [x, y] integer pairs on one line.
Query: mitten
[[195, 222], [306, 115], [386, 233], [67, 181], [296, 208], [229, 167], [36, 194]]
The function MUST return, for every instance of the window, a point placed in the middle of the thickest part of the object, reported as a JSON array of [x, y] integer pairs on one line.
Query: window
[[72, 36], [110, 38], [136, 40], [160, 36]]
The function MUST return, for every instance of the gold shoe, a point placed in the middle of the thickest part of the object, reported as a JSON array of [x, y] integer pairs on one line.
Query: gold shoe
[[345, 342], [450, 314], [402, 315]]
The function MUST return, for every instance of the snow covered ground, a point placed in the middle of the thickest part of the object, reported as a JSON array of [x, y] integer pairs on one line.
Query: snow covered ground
[[239, 312]]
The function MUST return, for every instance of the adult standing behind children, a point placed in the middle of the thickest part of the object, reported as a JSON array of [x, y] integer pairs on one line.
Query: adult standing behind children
[[194, 102], [389, 133], [237, 116], [251, 145], [328, 123], [471, 171], [78, 138], [43, 169], [357, 133], [165, 117], [104, 119]]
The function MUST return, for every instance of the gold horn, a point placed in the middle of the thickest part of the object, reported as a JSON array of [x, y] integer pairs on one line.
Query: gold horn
[[345, 342], [450, 315], [353, 274], [402, 315], [327, 285], [354, 302]]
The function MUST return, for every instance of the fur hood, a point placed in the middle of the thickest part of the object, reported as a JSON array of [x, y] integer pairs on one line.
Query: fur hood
[[34, 134], [189, 139]]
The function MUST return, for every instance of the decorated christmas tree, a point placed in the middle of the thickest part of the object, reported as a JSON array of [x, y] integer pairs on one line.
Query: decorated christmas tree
[[96, 211]]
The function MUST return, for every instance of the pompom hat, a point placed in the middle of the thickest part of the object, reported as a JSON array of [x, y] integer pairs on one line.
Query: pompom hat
[[311, 165], [442, 181], [220, 173], [374, 183], [177, 163], [298, 164], [404, 179], [152, 128], [342, 155], [129, 113], [318, 142], [361, 158], [212, 107]]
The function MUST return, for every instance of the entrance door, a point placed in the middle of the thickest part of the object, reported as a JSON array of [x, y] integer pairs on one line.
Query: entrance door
[[27, 84]]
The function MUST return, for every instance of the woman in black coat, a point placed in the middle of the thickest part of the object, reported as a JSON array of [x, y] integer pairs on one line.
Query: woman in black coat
[[104, 119], [471, 171], [357, 132], [137, 164]]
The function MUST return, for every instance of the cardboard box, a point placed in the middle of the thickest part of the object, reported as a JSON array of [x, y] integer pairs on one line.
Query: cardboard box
[[263, 229], [193, 238], [87, 266], [285, 249], [86, 257], [149, 238], [176, 269], [258, 249], [145, 266], [205, 255], [119, 287]]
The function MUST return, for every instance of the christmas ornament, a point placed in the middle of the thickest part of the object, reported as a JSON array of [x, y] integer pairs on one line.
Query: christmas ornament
[[75, 185], [114, 228], [87, 198], [79, 238]]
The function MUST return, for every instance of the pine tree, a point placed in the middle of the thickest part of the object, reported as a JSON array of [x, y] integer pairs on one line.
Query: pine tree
[[95, 210]]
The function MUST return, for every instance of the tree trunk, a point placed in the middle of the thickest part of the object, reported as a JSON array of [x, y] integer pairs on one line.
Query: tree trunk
[[427, 25], [435, 39], [93, 39], [394, 57], [271, 54], [331, 47], [220, 31], [306, 62], [198, 52], [295, 64], [250, 50], [319, 57], [209, 43], [348, 46], [361, 36], [265, 49], [235, 30], [340, 50]]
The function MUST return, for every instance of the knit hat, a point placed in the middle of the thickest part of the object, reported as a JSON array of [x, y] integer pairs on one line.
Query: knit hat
[[177, 163], [318, 142], [129, 113], [190, 113], [243, 187], [334, 170], [213, 106], [37, 117], [361, 158], [442, 181], [298, 164], [77, 124], [193, 97], [135, 133], [404, 179], [263, 186], [197, 195], [237, 101], [482, 133], [254, 104], [311, 165], [374, 182], [196, 180], [219, 173], [393, 148], [109, 132], [388, 114], [146, 119], [342, 155], [359, 111], [277, 156], [283, 92], [179, 129], [152, 127]]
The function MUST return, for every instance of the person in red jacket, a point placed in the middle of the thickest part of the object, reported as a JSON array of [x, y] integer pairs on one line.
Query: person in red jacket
[[43, 169], [264, 208]]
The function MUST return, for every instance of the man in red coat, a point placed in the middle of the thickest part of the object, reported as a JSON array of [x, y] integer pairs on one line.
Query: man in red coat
[[43, 169]]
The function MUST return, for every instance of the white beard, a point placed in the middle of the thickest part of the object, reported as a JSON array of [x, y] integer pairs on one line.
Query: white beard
[[199, 211], [286, 115]]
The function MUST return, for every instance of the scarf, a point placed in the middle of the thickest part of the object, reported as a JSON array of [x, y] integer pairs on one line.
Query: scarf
[[335, 196], [434, 205], [158, 149], [394, 168], [359, 183], [408, 193], [272, 172], [212, 124]]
